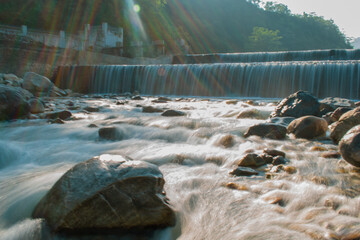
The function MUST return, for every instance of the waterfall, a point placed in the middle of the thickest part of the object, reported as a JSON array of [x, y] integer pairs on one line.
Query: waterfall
[[329, 73], [313, 55]]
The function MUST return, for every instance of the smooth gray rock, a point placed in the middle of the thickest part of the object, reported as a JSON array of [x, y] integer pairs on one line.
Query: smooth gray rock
[[63, 115], [296, 105], [40, 85], [350, 146], [267, 130], [36, 106], [110, 133], [308, 127], [244, 171], [13, 104], [107, 193]]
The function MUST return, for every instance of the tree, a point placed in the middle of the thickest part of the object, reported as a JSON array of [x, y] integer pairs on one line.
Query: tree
[[277, 7], [263, 39]]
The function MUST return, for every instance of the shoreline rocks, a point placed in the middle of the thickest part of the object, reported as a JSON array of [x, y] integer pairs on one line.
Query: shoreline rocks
[[297, 105], [107, 193], [267, 130], [350, 146], [308, 127], [13, 105], [345, 123]]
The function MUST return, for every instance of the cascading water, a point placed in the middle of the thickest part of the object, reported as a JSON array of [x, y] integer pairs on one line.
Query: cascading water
[[311, 55], [270, 80]]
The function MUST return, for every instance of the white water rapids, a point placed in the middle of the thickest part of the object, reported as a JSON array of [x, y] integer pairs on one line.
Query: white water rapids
[[320, 201]]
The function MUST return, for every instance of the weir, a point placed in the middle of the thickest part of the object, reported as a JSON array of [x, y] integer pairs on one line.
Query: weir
[[336, 78]]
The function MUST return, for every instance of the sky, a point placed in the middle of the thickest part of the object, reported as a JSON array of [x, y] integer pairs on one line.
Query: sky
[[345, 13]]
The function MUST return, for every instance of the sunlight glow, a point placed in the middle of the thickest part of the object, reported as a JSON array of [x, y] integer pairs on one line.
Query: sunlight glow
[[137, 8]]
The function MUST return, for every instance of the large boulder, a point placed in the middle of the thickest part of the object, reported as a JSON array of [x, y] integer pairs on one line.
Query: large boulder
[[267, 130], [107, 193], [40, 85], [13, 104], [350, 146], [297, 105], [345, 123], [308, 127]]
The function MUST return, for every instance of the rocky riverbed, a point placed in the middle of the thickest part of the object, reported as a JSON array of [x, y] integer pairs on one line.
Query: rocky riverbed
[[148, 167]]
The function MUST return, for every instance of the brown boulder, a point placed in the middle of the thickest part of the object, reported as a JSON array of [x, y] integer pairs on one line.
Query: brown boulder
[[267, 130], [308, 127], [350, 146], [345, 123], [107, 193]]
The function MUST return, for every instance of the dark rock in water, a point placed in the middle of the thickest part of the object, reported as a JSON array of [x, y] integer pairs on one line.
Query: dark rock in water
[[357, 104], [252, 113], [36, 106], [336, 115], [63, 115], [267, 158], [92, 109], [278, 160], [336, 102], [92, 125], [267, 130], [251, 160], [161, 100], [297, 105], [227, 141], [110, 133], [244, 171], [346, 122], [333, 154], [150, 109], [107, 193], [173, 113], [56, 121], [137, 98], [274, 152], [308, 127], [285, 121], [12, 103], [350, 146]]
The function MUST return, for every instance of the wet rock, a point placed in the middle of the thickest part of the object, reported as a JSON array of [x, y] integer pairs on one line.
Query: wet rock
[[12, 80], [63, 115], [150, 109], [318, 149], [251, 160], [226, 141], [357, 104], [161, 100], [137, 97], [278, 160], [56, 121], [268, 159], [332, 154], [308, 127], [267, 130], [336, 115], [252, 113], [92, 125], [236, 186], [290, 169], [36, 106], [336, 102], [111, 133], [350, 146], [13, 104], [285, 121], [40, 85], [297, 105], [107, 193], [274, 152], [92, 109], [244, 171], [232, 102], [345, 123], [173, 113]]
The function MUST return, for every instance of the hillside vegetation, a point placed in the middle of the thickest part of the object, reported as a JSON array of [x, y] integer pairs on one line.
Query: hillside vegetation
[[206, 25]]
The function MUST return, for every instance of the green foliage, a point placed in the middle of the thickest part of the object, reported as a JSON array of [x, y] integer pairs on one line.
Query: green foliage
[[263, 39], [277, 7], [207, 25]]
